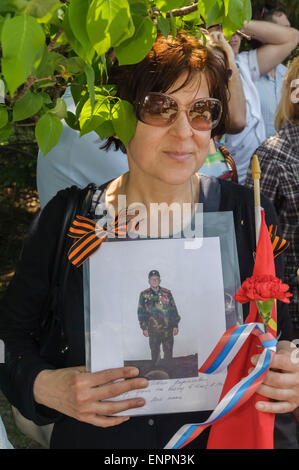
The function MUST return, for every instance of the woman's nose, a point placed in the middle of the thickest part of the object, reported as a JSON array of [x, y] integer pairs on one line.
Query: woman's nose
[[181, 127]]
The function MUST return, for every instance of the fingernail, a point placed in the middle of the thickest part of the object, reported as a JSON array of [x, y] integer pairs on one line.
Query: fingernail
[[140, 402], [143, 382], [260, 405], [134, 371]]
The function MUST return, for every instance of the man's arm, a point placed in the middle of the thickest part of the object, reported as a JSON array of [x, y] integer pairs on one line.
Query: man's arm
[[142, 314], [237, 103], [278, 42]]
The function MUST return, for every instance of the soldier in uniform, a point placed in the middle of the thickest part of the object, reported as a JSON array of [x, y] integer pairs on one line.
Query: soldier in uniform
[[158, 317]]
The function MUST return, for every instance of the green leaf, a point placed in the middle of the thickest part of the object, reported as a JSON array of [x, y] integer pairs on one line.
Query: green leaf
[[248, 10], [40, 8], [163, 25], [229, 28], [75, 65], [46, 66], [167, 5], [3, 116], [172, 24], [47, 132], [108, 24], [226, 6], [46, 98], [124, 120], [92, 118], [29, 105], [90, 77], [52, 15], [215, 14], [20, 57], [236, 11], [138, 9], [85, 54], [77, 19], [60, 109], [72, 121], [5, 132], [105, 130], [133, 50], [265, 306], [97, 26]]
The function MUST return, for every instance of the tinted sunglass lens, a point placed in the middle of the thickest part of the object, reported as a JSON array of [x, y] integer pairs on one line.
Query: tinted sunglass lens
[[158, 110], [205, 114]]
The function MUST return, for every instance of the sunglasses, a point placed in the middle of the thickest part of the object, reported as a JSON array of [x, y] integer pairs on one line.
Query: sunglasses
[[162, 110]]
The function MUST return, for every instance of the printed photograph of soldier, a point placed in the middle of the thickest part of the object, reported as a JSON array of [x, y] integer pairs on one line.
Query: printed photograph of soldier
[[158, 318]]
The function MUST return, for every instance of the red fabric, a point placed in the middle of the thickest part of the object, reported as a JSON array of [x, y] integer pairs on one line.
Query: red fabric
[[248, 428]]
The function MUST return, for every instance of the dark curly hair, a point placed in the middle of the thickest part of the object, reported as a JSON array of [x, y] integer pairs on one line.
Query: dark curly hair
[[162, 67]]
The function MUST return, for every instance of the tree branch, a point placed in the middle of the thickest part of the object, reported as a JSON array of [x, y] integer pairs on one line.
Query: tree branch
[[54, 40], [183, 11]]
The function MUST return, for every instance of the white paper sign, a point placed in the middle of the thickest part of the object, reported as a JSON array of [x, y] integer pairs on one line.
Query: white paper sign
[[118, 274]]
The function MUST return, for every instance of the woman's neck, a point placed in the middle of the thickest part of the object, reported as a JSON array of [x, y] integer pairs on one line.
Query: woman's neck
[[137, 190], [157, 204]]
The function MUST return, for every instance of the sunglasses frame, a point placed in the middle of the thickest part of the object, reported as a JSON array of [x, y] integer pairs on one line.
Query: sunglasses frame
[[179, 108]]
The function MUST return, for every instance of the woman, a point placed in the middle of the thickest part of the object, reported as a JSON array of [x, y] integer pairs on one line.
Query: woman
[[279, 161], [178, 91]]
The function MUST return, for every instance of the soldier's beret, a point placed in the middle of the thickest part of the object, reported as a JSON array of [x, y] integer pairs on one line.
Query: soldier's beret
[[153, 273]]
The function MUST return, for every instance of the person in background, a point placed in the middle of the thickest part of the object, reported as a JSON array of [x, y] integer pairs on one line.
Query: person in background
[[76, 161], [4, 442], [278, 42], [269, 86], [279, 162], [219, 162]]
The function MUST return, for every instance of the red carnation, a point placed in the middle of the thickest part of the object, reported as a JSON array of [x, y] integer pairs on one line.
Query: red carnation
[[263, 287]]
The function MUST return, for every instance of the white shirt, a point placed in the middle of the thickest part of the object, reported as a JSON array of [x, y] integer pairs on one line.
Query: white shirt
[[4, 442], [76, 161], [243, 145], [269, 90]]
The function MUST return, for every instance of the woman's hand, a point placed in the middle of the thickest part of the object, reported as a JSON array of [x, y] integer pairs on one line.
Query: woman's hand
[[282, 381], [79, 394]]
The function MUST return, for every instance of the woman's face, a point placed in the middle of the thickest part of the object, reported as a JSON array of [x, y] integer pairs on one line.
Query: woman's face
[[171, 154], [235, 43]]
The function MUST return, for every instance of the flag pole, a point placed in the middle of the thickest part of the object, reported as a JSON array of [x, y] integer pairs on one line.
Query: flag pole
[[256, 174]]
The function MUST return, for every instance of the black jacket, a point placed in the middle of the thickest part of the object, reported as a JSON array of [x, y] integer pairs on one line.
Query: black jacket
[[23, 304]]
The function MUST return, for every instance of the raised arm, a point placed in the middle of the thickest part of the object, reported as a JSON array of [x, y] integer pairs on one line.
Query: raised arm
[[237, 103], [278, 42]]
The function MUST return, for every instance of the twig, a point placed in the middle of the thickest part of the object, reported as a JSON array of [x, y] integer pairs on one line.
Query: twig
[[183, 11], [54, 40], [29, 124], [24, 90]]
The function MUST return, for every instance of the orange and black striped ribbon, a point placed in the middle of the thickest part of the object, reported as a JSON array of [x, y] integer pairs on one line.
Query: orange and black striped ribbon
[[90, 235], [278, 245]]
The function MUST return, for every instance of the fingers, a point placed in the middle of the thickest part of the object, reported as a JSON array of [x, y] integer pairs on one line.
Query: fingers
[[92, 394], [274, 407], [112, 390], [280, 384], [281, 361], [110, 375]]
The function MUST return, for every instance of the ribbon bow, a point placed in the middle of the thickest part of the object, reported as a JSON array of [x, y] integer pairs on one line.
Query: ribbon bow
[[91, 235], [279, 245], [222, 355]]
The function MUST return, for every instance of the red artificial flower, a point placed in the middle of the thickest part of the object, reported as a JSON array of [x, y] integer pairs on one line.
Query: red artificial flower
[[263, 287]]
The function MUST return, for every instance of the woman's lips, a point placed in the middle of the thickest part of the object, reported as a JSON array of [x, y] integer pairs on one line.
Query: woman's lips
[[178, 156]]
